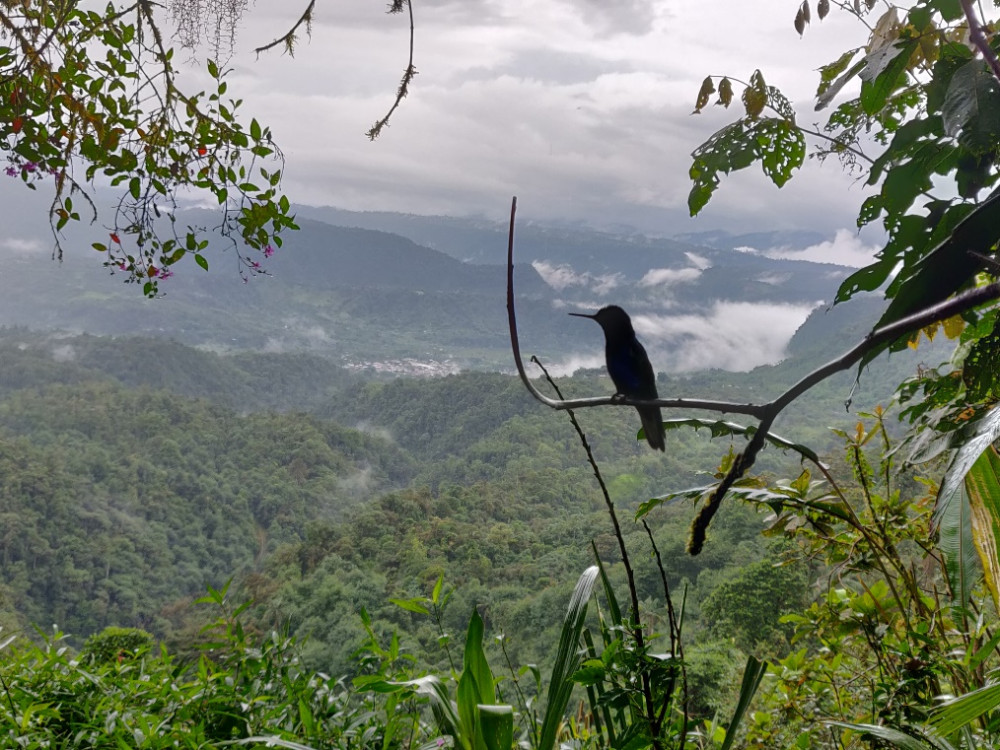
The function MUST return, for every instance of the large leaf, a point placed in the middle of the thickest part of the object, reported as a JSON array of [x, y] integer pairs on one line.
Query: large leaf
[[445, 711], [883, 74], [971, 109], [939, 274], [982, 484], [474, 661], [752, 675], [497, 723], [567, 658], [721, 428], [956, 713], [927, 741], [970, 494], [955, 542], [972, 443]]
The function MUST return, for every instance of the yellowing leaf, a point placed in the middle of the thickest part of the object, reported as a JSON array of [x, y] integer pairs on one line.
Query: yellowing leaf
[[953, 326], [725, 92], [755, 95], [706, 90]]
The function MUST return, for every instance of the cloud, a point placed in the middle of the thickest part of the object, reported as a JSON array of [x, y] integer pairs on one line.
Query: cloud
[[698, 261], [774, 279], [562, 276], [24, 246], [734, 336], [667, 276], [845, 249], [530, 98], [64, 353], [574, 362]]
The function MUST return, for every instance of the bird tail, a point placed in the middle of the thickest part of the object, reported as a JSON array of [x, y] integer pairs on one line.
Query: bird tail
[[652, 426]]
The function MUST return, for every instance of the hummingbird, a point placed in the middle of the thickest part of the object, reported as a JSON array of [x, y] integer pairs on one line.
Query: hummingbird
[[629, 368]]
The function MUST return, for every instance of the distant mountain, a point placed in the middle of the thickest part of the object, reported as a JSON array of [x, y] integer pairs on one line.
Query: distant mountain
[[722, 240], [400, 293]]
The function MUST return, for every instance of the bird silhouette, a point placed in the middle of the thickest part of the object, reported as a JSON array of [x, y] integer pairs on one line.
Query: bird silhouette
[[629, 368]]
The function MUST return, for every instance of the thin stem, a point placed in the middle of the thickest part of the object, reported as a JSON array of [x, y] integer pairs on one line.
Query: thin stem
[[637, 634]]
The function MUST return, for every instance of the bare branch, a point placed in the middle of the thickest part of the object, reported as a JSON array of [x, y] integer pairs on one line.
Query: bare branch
[[766, 413]]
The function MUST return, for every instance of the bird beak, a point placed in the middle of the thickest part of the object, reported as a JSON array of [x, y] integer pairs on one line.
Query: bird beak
[[583, 315]]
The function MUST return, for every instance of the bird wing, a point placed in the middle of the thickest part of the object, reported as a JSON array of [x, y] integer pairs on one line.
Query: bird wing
[[631, 370]]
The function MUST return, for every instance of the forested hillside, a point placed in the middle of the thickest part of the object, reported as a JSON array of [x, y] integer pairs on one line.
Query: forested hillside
[[137, 472]]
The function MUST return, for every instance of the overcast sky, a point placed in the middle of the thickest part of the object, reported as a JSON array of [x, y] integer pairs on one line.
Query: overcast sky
[[581, 109]]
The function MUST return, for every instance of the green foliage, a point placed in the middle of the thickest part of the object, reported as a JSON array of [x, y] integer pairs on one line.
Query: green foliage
[[98, 89], [748, 607], [239, 687], [116, 644], [930, 112], [886, 636]]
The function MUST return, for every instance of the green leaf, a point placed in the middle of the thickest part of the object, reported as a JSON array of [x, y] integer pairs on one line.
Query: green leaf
[[823, 100], [881, 76], [971, 108], [895, 737], [972, 444], [828, 74], [982, 485], [201, 260], [567, 658], [497, 724], [783, 149], [753, 673], [411, 605], [468, 711], [474, 661], [270, 742], [722, 428], [940, 273], [441, 705], [956, 544], [949, 717]]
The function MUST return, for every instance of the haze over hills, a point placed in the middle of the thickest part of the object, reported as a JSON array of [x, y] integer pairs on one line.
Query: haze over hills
[[414, 294]]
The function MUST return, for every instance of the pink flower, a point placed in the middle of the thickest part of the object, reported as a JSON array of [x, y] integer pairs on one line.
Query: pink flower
[[29, 166], [255, 265], [166, 273], [268, 251], [12, 171]]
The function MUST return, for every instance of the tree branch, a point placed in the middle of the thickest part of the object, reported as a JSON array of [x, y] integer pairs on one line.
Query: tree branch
[[288, 38], [408, 74], [765, 413], [978, 38]]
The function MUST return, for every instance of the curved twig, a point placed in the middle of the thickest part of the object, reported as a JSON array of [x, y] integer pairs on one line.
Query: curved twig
[[288, 38], [408, 74]]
